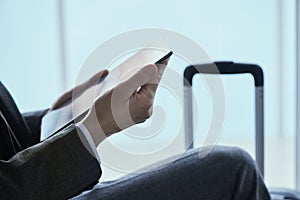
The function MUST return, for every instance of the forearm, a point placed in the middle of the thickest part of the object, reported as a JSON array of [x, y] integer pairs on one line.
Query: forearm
[[55, 169]]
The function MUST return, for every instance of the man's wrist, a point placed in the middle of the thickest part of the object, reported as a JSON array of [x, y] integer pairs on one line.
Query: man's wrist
[[93, 127], [87, 140]]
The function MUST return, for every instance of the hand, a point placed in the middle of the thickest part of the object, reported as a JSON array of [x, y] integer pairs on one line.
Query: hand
[[127, 104], [67, 97]]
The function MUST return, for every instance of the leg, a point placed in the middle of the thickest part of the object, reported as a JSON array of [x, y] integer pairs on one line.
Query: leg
[[225, 173]]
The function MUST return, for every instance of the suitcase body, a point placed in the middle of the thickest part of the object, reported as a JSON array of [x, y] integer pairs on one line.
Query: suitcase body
[[220, 68]]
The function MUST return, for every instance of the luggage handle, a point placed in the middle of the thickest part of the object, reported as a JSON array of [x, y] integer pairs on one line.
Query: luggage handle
[[227, 68], [224, 68]]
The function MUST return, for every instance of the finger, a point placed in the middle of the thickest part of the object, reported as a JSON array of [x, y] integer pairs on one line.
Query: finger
[[148, 90], [62, 100], [145, 75], [78, 90], [96, 79], [153, 84]]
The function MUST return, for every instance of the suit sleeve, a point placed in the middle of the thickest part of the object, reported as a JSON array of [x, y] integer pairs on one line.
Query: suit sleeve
[[57, 168], [34, 120]]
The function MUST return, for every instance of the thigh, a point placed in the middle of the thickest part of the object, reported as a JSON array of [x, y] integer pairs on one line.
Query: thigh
[[216, 176]]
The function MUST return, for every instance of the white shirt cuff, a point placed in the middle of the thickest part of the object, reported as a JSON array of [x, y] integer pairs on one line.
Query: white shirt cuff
[[90, 145]]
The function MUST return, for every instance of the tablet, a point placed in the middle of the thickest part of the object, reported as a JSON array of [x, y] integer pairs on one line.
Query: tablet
[[58, 119]]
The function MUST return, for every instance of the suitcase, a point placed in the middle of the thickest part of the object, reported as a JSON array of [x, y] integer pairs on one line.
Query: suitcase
[[233, 68]]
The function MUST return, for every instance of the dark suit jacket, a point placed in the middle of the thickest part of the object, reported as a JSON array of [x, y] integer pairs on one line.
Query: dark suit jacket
[[57, 168]]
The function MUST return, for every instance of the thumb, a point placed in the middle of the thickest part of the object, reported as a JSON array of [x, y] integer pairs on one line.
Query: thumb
[[143, 76]]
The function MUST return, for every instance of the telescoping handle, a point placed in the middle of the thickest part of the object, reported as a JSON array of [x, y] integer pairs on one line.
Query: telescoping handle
[[227, 68]]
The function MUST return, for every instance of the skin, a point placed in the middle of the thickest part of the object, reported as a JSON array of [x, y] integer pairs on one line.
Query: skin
[[127, 104]]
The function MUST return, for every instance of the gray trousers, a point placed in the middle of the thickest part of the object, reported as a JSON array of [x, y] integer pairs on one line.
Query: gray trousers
[[225, 173]]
